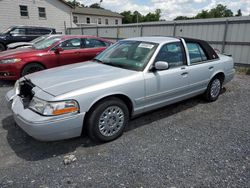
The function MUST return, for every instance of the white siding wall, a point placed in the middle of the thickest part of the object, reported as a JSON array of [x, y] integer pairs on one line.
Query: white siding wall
[[56, 12], [93, 19]]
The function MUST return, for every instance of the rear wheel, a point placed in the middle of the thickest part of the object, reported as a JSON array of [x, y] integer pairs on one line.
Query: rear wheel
[[107, 120], [214, 89], [31, 68], [2, 47]]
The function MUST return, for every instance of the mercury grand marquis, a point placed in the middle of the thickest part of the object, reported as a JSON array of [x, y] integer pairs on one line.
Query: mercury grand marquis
[[131, 77]]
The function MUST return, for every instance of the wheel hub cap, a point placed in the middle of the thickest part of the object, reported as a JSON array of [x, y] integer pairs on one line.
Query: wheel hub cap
[[111, 121], [215, 88]]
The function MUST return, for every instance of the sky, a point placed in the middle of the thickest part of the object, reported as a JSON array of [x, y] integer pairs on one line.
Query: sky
[[171, 8]]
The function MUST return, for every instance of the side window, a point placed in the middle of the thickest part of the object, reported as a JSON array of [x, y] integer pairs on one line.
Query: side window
[[44, 31], [24, 11], [99, 21], [88, 20], [106, 21], [18, 32], [42, 12], [71, 44], [173, 53], [38, 32], [75, 19], [196, 53], [93, 43]]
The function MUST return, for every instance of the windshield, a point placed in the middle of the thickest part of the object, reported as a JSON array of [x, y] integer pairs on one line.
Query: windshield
[[43, 44], [39, 39], [132, 55]]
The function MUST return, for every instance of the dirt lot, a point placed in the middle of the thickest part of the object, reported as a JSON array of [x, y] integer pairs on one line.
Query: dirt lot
[[192, 143]]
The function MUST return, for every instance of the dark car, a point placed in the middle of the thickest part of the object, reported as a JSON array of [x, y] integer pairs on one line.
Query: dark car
[[52, 52], [22, 34]]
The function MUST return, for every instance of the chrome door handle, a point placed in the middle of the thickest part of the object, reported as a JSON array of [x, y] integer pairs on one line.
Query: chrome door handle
[[184, 73], [211, 68]]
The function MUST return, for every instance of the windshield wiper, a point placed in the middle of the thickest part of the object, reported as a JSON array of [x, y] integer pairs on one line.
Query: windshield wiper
[[115, 65], [98, 60]]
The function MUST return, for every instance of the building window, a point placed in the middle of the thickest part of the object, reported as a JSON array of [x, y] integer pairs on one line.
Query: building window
[[75, 19], [42, 12], [99, 21], [88, 20], [106, 21], [116, 22], [24, 11]]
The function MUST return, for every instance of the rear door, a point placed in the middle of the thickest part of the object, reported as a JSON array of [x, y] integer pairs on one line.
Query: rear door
[[91, 47], [33, 33], [200, 69]]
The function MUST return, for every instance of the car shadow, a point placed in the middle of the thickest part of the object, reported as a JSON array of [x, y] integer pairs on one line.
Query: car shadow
[[6, 83], [30, 149]]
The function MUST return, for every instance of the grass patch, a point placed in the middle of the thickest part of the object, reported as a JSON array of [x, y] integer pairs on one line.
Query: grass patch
[[243, 70]]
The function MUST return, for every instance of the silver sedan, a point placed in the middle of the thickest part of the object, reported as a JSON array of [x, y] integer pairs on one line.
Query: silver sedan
[[131, 77]]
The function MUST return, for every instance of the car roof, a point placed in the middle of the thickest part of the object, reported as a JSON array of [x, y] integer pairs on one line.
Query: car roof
[[81, 36], [37, 27], [155, 39]]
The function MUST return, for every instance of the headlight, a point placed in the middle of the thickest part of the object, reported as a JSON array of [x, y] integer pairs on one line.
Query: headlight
[[17, 87], [53, 108], [14, 60]]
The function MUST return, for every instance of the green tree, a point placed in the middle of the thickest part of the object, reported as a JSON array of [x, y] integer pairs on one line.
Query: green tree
[[95, 5], [182, 18], [127, 17], [238, 13], [75, 3], [203, 14], [130, 17], [220, 11], [152, 17]]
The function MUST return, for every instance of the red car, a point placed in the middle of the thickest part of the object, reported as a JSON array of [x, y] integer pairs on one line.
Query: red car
[[52, 52]]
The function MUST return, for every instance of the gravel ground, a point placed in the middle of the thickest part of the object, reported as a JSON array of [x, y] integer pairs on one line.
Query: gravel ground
[[189, 144]]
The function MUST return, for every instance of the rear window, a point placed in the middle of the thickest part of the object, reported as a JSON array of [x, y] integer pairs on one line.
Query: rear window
[[196, 53], [38, 32]]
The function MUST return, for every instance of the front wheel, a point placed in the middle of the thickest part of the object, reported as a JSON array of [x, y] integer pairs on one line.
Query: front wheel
[[213, 90], [31, 68], [107, 120]]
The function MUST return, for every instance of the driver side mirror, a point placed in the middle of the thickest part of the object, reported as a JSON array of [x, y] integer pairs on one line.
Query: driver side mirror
[[161, 65], [58, 50]]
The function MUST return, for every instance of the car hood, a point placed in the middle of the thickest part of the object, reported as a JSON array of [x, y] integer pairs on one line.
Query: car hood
[[64, 79], [16, 52]]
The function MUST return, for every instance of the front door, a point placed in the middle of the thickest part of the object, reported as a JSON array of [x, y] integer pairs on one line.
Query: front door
[[71, 50], [18, 35], [167, 86]]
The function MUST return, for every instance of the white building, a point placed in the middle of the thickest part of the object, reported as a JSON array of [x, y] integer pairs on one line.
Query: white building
[[94, 16], [47, 13]]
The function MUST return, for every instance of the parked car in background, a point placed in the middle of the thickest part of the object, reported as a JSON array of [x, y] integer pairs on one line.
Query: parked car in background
[[22, 34], [52, 52], [129, 78], [28, 44]]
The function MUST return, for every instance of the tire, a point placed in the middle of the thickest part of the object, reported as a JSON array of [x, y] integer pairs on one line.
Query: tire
[[107, 120], [2, 47], [31, 68], [214, 89]]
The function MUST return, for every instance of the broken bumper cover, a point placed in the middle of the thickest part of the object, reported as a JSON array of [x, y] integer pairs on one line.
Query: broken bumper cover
[[44, 128]]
